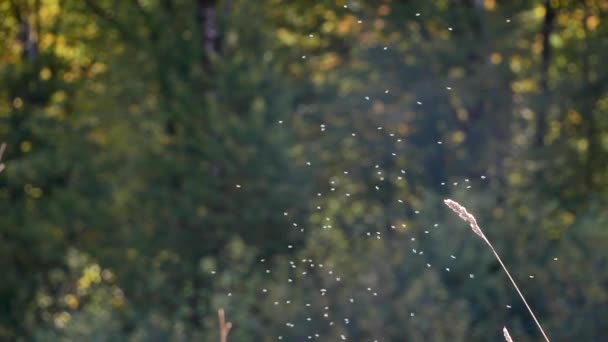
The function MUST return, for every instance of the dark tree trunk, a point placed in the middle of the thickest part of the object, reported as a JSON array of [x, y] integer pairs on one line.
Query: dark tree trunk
[[591, 93], [208, 24], [541, 115]]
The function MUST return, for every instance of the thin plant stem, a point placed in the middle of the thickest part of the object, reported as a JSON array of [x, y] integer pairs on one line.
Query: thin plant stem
[[517, 288], [468, 217]]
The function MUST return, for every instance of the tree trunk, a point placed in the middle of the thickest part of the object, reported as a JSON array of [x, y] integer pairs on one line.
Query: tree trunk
[[208, 23], [541, 115]]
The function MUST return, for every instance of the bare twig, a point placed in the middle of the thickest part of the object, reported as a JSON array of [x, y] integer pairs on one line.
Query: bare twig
[[224, 326], [465, 215], [2, 148]]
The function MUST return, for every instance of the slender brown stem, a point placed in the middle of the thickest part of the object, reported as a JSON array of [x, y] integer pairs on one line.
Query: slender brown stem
[[224, 326], [2, 148], [505, 332]]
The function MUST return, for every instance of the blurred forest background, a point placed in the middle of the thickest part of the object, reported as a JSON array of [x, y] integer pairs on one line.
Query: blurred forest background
[[168, 158]]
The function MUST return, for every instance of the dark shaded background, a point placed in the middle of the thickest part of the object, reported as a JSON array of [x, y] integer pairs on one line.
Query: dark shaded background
[[287, 161]]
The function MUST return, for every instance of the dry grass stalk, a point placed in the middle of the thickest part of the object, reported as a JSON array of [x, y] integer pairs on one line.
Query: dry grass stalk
[[465, 215], [506, 333], [224, 326], [2, 148]]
